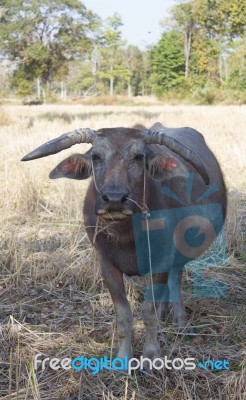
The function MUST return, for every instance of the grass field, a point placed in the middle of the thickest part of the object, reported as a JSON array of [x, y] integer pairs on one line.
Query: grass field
[[52, 299]]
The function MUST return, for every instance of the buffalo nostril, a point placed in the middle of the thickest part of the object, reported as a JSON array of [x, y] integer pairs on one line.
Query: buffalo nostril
[[114, 197]]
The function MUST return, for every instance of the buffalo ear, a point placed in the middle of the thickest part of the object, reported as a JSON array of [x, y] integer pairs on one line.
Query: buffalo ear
[[165, 166], [76, 166]]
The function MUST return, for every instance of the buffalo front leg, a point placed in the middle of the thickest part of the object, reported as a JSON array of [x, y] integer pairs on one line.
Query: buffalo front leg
[[155, 299], [115, 284], [150, 313]]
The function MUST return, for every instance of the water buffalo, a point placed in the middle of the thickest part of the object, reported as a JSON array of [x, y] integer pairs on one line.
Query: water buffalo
[[130, 168]]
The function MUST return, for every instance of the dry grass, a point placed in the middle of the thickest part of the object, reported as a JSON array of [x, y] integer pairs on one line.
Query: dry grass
[[52, 297]]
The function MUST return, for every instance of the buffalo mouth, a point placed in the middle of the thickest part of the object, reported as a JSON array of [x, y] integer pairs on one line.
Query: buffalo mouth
[[114, 214]]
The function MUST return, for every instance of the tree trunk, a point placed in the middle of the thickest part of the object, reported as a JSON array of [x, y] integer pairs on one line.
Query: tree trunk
[[63, 90], [111, 87], [129, 90], [226, 69], [111, 80], [43, 95], [187, 47], [143, 89], [61, 95], [38, 88], [221, 69]]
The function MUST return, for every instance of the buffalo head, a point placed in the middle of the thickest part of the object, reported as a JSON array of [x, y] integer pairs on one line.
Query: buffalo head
[[119, 161]]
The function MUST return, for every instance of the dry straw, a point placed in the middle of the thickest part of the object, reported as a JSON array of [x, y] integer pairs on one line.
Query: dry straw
[[53, 300]]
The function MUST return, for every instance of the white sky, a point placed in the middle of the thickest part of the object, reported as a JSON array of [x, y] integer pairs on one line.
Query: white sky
[[141, 18]]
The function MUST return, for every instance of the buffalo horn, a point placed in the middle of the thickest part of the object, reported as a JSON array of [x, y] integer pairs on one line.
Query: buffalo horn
[[63, 142], [155, 137]]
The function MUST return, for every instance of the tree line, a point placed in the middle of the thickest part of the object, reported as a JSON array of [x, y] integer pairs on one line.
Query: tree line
[[54, 49]]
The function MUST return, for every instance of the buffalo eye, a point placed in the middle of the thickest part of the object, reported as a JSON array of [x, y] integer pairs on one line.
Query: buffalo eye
[[96, 157], [139, 157]]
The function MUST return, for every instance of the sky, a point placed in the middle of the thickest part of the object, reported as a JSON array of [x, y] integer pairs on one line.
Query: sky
[[141, 18]]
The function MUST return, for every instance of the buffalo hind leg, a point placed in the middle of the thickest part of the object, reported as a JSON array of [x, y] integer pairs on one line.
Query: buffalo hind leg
[[115, 284], [176, 298]]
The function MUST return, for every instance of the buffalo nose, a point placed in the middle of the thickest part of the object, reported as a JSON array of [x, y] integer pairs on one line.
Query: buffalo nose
[[115, 197]]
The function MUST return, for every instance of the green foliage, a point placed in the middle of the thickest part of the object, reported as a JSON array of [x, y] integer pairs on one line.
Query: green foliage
[[237, 66], [206, 95], [111, 52], [183, 16], [42, 36], [214, 56], [168, 63], [54, 47], [220, 17], [21, 83]]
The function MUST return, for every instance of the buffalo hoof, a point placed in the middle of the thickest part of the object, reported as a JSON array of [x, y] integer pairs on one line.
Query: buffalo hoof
[[150, 353]]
